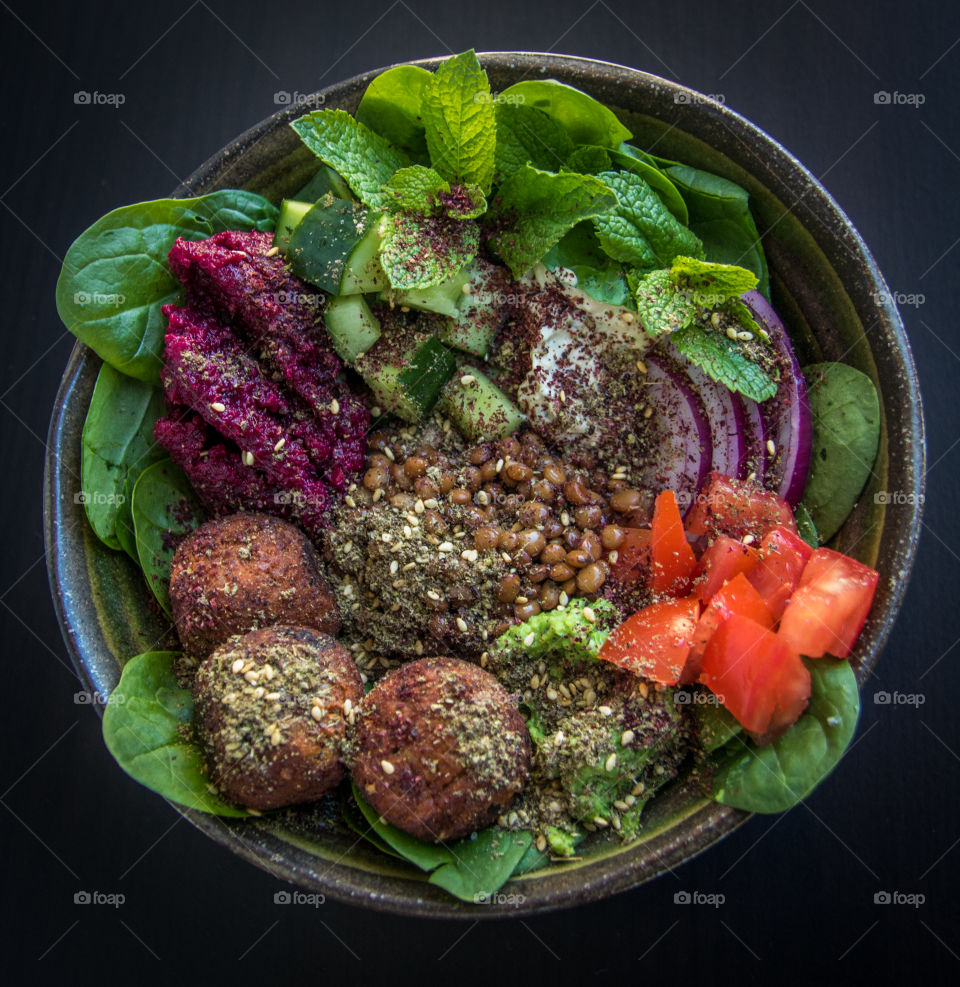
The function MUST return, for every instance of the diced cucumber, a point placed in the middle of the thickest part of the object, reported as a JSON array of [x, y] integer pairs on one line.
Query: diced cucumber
[[325, 180], [443, 298], [291, 212], [335, 247], [478, 407], [406, 372], [478, 320], [353, 328]]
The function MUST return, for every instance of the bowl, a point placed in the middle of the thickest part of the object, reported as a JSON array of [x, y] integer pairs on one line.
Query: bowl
[[825, 285]]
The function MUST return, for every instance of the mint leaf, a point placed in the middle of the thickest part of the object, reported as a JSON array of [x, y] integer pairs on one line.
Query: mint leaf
[[419, 252], [416, 189], [464, 202], [526, 135], [641, 230], [535, 208], [661, 306], [365, 159], [719, 282], [722, 359], [586, 120], [459, 121], [589, 160]]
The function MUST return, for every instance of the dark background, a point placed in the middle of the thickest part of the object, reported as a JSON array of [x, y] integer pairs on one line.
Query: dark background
[[799, 888]]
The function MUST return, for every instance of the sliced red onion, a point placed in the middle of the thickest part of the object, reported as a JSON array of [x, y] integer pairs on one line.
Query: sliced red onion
[[755, 439], [786, 416], [680, 442]]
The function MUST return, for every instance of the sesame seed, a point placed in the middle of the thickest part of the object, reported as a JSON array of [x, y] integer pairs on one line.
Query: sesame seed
[[589, 697], [529, 639], [745, 336], [419, 507], [334, 407], [388, 452], [377, 494], [611, 762], [465, 289], [521, 600], [771, 447], [564, 518], [564, 599], [462, 625], [272, 252], [347, 706], [247, 458], [626, 738], [470, 555], [409, 566], [732, 333], [648, 411], [605, 711], [445, 546], [271, 697], [432, 503], [641, 366], [715, 319], [404, 308], [349, 501], [433, 595], [613, 556], [748, 539], [407, 531], [627, 317], [237, 666], [589, 615], [252, 677], [541, 843], [218, 407], [499, 465], [600, 821], [630, 800], [280, 443], [558, 738], [620, 804], [317, 713], [387, 766], [552, 694], [394, 567], [468, 379], [258, 692], [535, 682], [386, 536]]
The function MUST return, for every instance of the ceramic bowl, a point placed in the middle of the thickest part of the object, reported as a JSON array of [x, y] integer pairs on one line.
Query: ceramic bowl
[[828, 290]]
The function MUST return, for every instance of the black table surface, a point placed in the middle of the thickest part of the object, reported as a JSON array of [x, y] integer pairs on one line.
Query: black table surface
[[799, 890]]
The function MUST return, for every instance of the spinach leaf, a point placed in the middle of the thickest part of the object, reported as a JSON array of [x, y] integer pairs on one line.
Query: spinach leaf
[[586, 120], [147, 728], [115, 276], [364, 158], [709, 199], [597, 274], [526, 135], [471, 869], [459, 121], [391, 107], [534, 209], [640, 230], [716, 725], [805, 526], [117, 442], [164, 507], [846, 436], [776, 777]]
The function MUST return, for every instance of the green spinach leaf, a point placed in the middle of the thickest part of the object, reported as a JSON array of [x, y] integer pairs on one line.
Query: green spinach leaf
[[391, 106], [115, 276], [526, 135], [586, 120], [846, 436], [776, 777], [805, 526], [164, 507], [147, 727], [597, 274], [117, 443]]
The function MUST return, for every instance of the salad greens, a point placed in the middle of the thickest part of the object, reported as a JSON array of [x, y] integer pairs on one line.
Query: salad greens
[[526, 135], [147, 727], [846, 435], [391, 106], [115, 276]]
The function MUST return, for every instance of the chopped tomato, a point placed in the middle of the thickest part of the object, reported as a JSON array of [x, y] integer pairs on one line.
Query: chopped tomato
[[829, 607], [783, 556], [633, 556], [655, 641], [737, 508], [721, 562], [757, 675], [736, 597], [672, 562]]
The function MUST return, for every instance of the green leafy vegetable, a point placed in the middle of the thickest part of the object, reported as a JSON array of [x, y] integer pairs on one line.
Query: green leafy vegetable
[[589, 159], [846, 436], [459, 122], [147, 728], [776, 777], [115, 276], [641, 230], [117, 442], [164, 507], [718, 282], [631, 159], [661, 306], [526, 135], [391, 107], [723, 359], [805, 526], [465, 202], [536, 208], [416, 189], [365, 159], [471, 869], [716, 725], [585, 120], [419, 254], [597, 274]]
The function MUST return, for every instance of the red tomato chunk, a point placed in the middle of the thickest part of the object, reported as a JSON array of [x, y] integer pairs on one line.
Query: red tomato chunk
[[737, 508], [783, 556]]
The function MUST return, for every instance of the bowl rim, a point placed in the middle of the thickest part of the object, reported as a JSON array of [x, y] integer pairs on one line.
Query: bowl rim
[[713, 821]]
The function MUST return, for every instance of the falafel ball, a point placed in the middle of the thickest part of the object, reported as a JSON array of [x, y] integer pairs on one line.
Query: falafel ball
[[272, 712], [440, 748], [238, 573]]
